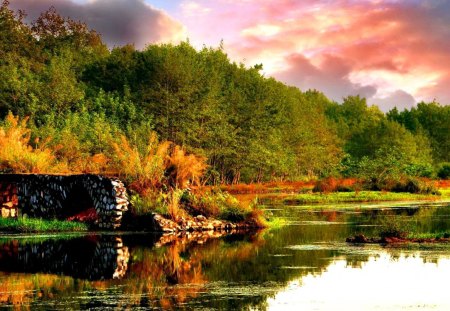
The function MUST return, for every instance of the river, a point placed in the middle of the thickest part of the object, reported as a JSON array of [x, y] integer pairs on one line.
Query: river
[[305, 265]]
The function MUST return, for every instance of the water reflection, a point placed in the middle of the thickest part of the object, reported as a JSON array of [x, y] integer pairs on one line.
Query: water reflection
[[304, 264], [382, 282], [91, 258]]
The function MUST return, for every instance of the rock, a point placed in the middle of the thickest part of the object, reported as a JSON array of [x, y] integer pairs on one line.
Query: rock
[[8, 204], [209, 227], [5, 212], [201, 218], [360, 238]]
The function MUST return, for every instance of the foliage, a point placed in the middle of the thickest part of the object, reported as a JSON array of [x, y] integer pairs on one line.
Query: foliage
[[182, 168], [216, 204], [148, 203], [173, 204], [16, 155], [393, 229], [429, 119], [143, 170], [326, 185], [444, 171], [97, 110], [415, 185]]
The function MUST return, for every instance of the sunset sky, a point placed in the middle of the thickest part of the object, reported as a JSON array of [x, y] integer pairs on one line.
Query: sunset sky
[[392, 52]]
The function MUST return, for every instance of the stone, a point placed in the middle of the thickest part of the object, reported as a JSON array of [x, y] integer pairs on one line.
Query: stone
[[201, 218], [8, 204], [209, 227], [5, 212]]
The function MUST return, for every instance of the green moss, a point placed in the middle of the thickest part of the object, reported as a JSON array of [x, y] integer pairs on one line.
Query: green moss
[[40, 225]]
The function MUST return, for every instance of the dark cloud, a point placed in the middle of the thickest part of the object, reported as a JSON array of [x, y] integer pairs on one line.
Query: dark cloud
[[331, 77], [119, 22], [399, 99]]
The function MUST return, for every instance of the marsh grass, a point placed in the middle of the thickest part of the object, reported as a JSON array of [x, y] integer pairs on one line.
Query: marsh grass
[[143, 169], [16, 153], [362, 196], [217, 204], [429, 235], [40, 225]]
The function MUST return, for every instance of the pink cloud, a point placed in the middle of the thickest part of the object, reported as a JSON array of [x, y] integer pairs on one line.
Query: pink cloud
[[393, 52]]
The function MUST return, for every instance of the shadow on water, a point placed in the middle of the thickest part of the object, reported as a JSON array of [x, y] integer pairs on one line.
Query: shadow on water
[[241, 271], [91, 258]]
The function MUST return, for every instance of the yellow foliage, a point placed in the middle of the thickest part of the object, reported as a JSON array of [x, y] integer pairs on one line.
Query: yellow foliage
[[144, 170], [173, 205], [16, 155], [183, 168]]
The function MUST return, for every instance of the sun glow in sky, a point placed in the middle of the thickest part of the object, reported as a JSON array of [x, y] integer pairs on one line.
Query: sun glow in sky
[[392, 52]]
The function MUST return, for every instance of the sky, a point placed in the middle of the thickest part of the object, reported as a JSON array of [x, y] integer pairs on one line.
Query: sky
[[394, 53]]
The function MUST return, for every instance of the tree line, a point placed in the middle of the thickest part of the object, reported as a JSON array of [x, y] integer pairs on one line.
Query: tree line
[[81, 99]]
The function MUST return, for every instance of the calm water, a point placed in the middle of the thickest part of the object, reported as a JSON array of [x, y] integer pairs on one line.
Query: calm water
[[305, 265]]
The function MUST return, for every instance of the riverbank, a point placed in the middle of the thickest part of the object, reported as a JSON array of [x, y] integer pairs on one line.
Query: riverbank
[[333, 191], [426, 238], [244, 219], [150, 223]]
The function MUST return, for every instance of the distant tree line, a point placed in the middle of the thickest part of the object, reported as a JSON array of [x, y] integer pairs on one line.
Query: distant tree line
[[81, 98]]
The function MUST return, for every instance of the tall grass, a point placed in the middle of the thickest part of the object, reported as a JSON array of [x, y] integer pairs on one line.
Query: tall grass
[[143, 169], [173, 204], [184, 168], [16, 154]]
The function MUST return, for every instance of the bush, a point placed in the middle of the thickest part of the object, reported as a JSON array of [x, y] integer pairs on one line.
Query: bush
[[414, 185], [393, 229], [444, 171], [216, 204], [326, 185], [182, 169], [142, 170], [148, 203], [16, 153], [420, 170]]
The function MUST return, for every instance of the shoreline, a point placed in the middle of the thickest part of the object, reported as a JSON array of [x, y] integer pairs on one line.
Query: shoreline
[[361, 239]]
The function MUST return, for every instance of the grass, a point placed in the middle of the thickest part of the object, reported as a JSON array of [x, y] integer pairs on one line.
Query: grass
[[445, 193], [276, 223], [40, 225], [362, 196], [428, 235]]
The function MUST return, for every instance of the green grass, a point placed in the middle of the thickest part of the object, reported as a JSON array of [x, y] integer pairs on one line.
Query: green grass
[[362, 196], [40, 225], [428, 235], [276, 223], [445, 193]]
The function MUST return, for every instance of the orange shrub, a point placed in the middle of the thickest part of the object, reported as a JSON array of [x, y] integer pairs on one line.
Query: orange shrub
[[182, 168], [143, 170], [16, 154]]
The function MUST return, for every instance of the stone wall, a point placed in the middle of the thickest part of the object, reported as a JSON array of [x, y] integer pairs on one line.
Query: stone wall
[[58, 196], [8, 200]]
